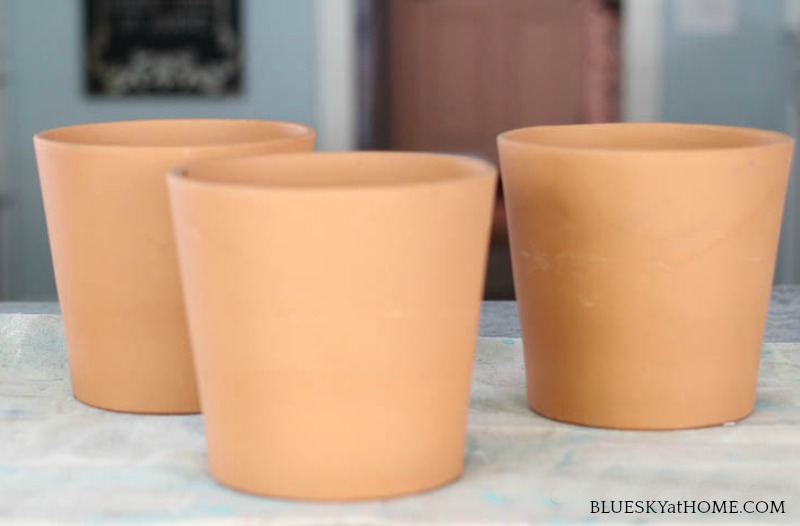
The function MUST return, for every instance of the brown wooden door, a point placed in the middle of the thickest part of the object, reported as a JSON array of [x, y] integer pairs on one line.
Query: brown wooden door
[[462, 71]]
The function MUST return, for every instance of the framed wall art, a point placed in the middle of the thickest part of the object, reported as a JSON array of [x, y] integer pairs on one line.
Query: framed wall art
[[163, 47]]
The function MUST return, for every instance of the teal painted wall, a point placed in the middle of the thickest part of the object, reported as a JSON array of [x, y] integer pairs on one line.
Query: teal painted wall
[[46, 91], [742, 78], [745, 78]]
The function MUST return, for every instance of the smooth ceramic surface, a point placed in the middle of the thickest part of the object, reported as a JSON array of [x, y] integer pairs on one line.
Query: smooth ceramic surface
[[643, 256], [110, 231], [333, 303]]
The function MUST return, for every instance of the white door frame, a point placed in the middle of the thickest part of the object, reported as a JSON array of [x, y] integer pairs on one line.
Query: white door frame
[[336, 74], [642, 64]]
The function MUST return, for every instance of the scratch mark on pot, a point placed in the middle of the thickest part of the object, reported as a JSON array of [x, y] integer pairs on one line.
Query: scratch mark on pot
[[586, 302], [569, 257], [539, 261]]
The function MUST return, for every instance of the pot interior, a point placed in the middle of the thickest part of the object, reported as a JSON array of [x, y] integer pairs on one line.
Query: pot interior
[[644, 136], [339, 170], [174, 133]]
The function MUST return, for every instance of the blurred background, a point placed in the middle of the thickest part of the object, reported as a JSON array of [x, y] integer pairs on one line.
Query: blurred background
[[430, 75]]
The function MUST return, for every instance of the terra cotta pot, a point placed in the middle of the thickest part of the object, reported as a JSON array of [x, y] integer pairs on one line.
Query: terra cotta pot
[[333, 302], [643, 257], [105, 198]]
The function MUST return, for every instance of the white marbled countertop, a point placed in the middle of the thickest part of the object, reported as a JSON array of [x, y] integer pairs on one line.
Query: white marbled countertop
[[65, 463]]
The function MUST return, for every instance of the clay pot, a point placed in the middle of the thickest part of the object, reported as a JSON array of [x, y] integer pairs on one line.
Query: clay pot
[[333, 301], [105, 198], [643, 257]]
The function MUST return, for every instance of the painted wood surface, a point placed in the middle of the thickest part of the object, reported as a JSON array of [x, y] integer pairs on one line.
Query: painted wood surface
[[63, 462]]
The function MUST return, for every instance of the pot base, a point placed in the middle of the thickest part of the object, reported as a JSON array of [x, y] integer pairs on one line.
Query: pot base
[[139, 409], [632, 427], [333, 496]]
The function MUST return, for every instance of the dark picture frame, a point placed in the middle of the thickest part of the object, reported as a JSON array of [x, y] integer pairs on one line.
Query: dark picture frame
[[162, 47]]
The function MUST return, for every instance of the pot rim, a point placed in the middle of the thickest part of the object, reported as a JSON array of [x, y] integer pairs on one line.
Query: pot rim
[[748, 138], [465, 169], [286, 131]]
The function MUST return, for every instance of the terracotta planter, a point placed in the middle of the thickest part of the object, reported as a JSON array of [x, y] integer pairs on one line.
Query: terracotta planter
[[105, 198], [333, 301], [643, 257]]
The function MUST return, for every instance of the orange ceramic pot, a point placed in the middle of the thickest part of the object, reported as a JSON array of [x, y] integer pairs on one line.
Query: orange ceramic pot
[[105, 198], [643, 257], [333, 302]]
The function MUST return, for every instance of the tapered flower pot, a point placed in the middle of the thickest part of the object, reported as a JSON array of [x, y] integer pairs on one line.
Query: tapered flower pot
[[108, 220], [333, 302], [643, 257]]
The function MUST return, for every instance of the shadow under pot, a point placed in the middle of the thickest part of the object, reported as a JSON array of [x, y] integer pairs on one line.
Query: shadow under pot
[[643, 257], [333, 302], [110, 231]]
